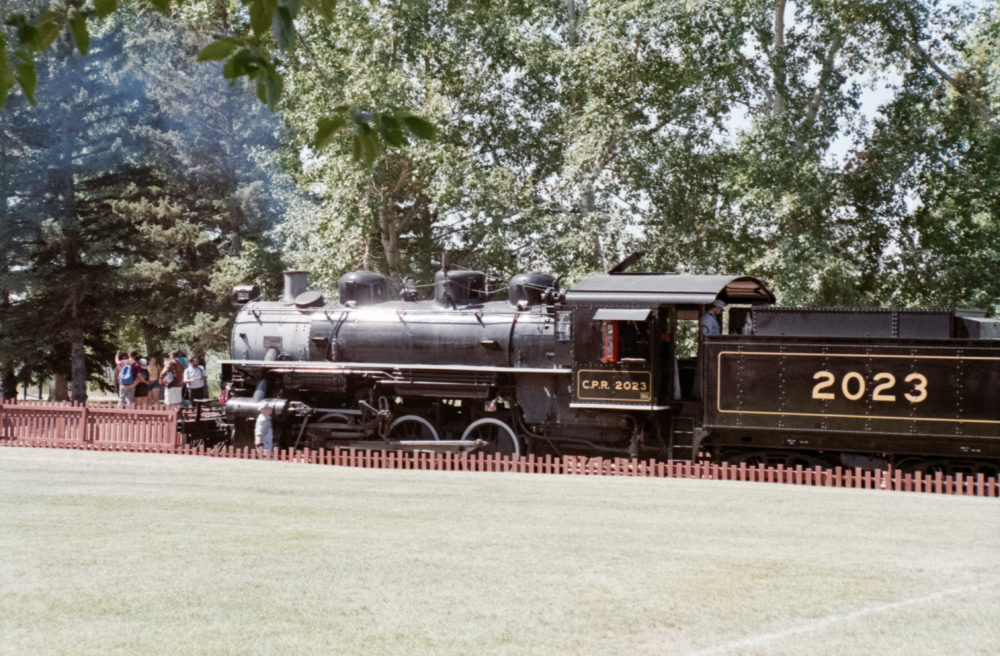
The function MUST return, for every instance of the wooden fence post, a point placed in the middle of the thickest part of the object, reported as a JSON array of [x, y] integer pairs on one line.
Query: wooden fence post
[[84, 420]]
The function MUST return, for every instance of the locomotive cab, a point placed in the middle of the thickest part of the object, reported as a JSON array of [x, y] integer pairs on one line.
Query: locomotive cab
[[636, 335], [635, 345]]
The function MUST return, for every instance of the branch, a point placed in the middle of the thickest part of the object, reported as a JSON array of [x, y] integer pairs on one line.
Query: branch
[[980, 108], [824, 74], [778, 53]]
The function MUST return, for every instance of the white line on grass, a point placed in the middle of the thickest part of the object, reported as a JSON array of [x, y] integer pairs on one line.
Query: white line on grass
[[822, 623]]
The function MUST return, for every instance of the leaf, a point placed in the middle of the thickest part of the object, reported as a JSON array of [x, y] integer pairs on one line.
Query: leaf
[[283, 28], [261, 90], [229, 70], [218, 49], [78, 27], [420, 127], [27, 34], [261, 12], [6, 74], [373, 145], [245, 61], [389, 128], [274, 84], [162, 6], [326, 128], [105, 7], [48, 29], [366, 146], [356, 147], [16, 20], [269, 85], [27, 78]]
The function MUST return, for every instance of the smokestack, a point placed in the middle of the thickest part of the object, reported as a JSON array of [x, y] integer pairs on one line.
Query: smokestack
[[296, 282]]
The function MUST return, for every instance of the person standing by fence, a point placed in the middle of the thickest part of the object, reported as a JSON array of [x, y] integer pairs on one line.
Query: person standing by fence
[[264, 433], [182, 358], [171, 381], [141, 383], [154, 382], [127, 377], [196, 379]]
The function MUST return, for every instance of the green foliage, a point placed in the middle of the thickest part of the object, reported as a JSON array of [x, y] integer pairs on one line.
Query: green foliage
[[263, 28], [78, 27]]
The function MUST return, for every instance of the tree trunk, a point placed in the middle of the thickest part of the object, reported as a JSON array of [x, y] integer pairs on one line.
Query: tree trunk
[[389, 236], [59, 388], [9, 381], [572, 21], [148, 337], [78, 359]]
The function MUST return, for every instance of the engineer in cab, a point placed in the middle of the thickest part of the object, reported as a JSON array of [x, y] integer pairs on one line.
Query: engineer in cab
[[711, 321]]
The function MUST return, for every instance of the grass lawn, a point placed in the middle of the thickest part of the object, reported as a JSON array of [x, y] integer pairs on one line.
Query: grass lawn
[[106, 553]]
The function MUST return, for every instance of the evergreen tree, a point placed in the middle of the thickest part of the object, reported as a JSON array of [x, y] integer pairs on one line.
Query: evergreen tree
[[137, 196]]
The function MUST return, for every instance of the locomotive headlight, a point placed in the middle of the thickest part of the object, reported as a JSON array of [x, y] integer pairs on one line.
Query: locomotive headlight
[[243, 294]]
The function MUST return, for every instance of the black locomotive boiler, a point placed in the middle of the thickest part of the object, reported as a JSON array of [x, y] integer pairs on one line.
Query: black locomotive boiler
[[603, 368]]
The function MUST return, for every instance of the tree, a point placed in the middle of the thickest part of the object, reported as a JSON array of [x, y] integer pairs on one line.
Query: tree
[[724, 136], [217, 153], [78, 163], [946, 241], [139, 221], [777, 200]]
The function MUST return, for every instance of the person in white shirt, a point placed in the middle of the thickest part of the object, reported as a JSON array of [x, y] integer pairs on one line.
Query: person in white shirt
[[196, 380], [264, 433]]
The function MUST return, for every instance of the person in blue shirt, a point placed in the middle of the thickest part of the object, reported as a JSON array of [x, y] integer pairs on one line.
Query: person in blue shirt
[[711, 321]]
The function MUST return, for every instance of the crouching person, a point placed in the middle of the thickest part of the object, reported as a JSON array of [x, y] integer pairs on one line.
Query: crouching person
[[264, 433]]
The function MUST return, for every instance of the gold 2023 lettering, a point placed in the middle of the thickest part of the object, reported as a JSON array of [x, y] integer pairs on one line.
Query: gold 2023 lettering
[[854, 386]]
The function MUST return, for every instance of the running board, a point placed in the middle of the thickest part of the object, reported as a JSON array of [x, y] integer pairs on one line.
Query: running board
[[427, 446]]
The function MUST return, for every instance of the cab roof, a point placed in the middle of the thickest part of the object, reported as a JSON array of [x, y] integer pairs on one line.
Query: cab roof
[[668, 289]]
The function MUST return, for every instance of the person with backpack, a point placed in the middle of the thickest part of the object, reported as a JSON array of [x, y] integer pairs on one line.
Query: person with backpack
[[119, 357], [127, 380]]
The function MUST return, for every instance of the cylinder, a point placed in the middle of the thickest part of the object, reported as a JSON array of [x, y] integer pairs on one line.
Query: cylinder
[[241, 407]]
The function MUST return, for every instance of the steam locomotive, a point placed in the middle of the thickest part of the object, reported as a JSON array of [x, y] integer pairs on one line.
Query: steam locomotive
[[615, 365]]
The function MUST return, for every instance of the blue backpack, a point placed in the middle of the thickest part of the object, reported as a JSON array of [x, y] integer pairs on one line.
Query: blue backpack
[[126, 376]]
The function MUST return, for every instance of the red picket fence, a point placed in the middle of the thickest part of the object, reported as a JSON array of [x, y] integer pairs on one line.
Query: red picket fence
[[63, 424], [154, 431]]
